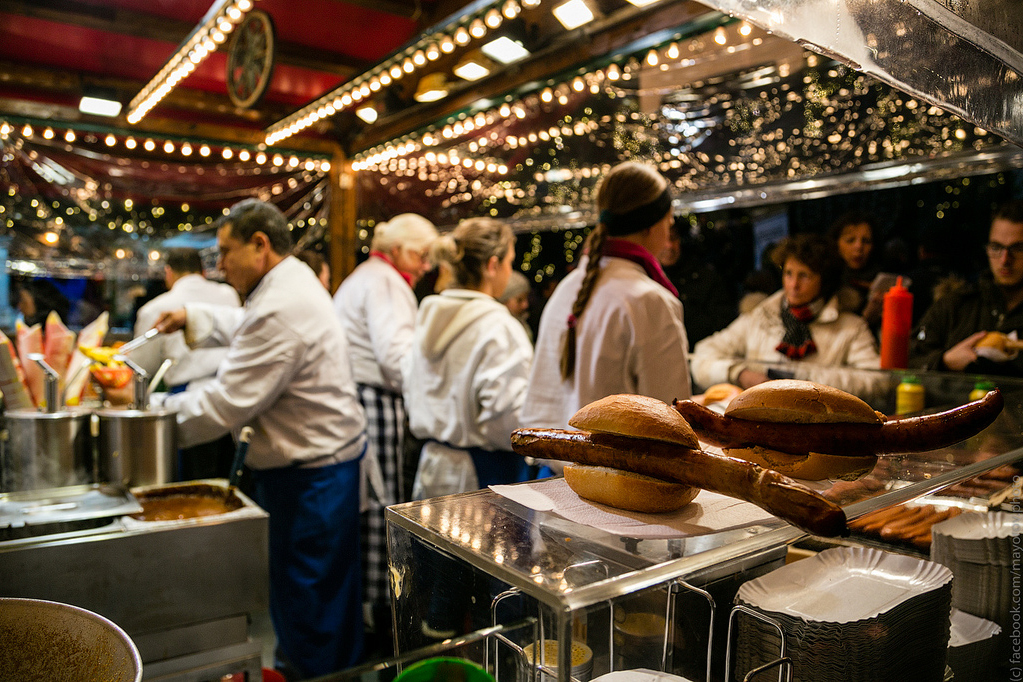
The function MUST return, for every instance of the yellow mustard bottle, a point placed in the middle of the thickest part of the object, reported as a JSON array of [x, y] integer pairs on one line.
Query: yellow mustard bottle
[[981, 389], [909, 396]]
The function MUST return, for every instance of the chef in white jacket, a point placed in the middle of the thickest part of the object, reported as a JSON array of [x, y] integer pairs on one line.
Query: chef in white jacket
[[286, 374], [468, 369], [377, 309], [183, 274]]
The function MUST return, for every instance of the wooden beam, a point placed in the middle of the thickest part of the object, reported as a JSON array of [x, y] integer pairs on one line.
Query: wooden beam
[[343, 212], [151, 27], [582, 48]]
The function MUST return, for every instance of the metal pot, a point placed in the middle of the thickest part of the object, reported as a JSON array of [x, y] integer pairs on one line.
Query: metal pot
[[136, 447], [46, 640], [46, 450]]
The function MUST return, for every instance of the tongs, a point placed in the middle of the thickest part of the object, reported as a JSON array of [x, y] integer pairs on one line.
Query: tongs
[[139, 341]]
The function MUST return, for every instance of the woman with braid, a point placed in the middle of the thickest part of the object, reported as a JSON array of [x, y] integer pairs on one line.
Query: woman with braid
[[613, 325]]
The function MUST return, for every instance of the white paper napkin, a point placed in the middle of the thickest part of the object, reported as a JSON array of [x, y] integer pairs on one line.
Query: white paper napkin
[[708, 513]]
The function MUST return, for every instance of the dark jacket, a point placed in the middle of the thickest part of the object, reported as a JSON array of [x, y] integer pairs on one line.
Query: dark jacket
[[953, 317]]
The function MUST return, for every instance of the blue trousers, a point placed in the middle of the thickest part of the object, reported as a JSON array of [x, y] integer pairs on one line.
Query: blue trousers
[[315, 576]]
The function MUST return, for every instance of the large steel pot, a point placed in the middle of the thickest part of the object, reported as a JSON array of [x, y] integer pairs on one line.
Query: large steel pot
[[136, 447], [47, 641], [46, 450]]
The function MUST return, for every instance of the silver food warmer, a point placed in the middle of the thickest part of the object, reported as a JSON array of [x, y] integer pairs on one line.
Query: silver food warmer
[[184, 590]]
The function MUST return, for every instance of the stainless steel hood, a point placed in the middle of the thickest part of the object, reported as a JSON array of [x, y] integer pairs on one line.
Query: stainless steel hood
[[965, 56]]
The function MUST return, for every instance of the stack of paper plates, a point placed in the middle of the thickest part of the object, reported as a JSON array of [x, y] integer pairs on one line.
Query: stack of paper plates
[[850, 614], [972, 647], [978, 549]]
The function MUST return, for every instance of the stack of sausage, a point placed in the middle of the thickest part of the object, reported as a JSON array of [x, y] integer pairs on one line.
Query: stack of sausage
[[903, 524]]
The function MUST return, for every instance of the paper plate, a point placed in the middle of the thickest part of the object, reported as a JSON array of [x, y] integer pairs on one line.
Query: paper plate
[[844, 585], [967, 629]]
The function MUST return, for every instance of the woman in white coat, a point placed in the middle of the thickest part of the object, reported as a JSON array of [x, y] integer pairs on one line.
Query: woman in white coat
[[377, 308], [801, 327], [467, 370]]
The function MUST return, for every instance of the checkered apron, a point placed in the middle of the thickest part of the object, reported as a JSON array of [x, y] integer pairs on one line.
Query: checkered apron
[[385, 419]]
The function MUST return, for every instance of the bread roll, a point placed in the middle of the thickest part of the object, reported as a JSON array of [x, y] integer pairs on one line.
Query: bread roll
[[800, 402], [638, 416], [626, 490], [720, 393], [999, 341], [813, 467]]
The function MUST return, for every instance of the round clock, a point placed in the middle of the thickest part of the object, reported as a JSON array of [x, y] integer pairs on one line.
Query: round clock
[[250, 61]]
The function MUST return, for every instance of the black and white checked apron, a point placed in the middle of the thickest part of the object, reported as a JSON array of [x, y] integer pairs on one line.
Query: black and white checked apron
[[385, 419]]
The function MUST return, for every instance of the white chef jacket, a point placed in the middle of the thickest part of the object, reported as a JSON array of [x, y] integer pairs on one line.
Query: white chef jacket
[[286, 374], [467, 371], [189, 365], [629, 339], [377, 308]]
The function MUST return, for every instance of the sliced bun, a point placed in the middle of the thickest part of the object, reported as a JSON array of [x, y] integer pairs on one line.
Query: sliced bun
[[637, 416], [626, 490], [799, 402], [720, 393], [813, 467]]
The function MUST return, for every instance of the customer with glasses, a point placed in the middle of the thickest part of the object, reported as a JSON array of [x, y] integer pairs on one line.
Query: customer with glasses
[[948, 333]]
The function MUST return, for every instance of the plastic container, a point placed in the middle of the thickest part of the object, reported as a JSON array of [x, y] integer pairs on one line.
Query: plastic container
[[444, 669], [981, 389], [896, 323], [909, 396]]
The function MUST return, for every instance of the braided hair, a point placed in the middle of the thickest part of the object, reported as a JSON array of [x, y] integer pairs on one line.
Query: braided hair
[[627, 186]]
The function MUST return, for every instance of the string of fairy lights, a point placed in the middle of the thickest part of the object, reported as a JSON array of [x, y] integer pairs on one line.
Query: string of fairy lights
[[428, 48]]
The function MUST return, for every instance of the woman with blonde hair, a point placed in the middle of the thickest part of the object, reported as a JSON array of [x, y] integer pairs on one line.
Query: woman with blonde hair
[[377, 308], [466, 373], [613, 325]]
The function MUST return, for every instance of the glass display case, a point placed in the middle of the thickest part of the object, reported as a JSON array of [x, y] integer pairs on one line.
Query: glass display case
[[475, 560]]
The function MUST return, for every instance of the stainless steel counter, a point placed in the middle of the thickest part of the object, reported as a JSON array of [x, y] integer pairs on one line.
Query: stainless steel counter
[[183, 590]]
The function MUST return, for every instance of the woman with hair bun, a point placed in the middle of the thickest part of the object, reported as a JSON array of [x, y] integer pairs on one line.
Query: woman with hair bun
[[467, 371], [613, 325]]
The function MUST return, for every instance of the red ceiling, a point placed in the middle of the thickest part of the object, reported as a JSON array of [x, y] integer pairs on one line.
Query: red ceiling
[[358, 34]]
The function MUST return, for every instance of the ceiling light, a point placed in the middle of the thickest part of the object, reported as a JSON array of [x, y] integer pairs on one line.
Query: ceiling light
[[431, 88], [367, 114], [462, 36], [642, 3], [573, 14], [505, 50], [99, 106], [473, 66]]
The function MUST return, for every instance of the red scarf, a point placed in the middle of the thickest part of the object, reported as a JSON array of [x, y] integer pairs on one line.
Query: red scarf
[[798, 342], [623, 248], [384, 257]]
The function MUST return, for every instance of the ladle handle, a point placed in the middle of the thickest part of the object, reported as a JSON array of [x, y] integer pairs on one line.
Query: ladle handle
[[239, 455], [52, 382]]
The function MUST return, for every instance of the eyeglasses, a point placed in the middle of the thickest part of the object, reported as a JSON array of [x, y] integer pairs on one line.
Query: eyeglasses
[[996, 250]]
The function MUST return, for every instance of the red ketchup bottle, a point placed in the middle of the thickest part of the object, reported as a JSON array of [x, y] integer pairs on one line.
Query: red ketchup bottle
[[896, 322]]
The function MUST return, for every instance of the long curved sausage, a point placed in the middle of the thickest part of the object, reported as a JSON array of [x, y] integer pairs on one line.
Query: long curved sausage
[[737, 478], [912, 434]]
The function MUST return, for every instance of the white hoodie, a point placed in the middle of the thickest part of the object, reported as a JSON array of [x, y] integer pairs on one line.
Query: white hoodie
[[467, 371]]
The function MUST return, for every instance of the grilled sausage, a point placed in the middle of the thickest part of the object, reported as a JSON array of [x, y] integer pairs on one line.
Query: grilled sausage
[[912, 434], [738, 478]]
